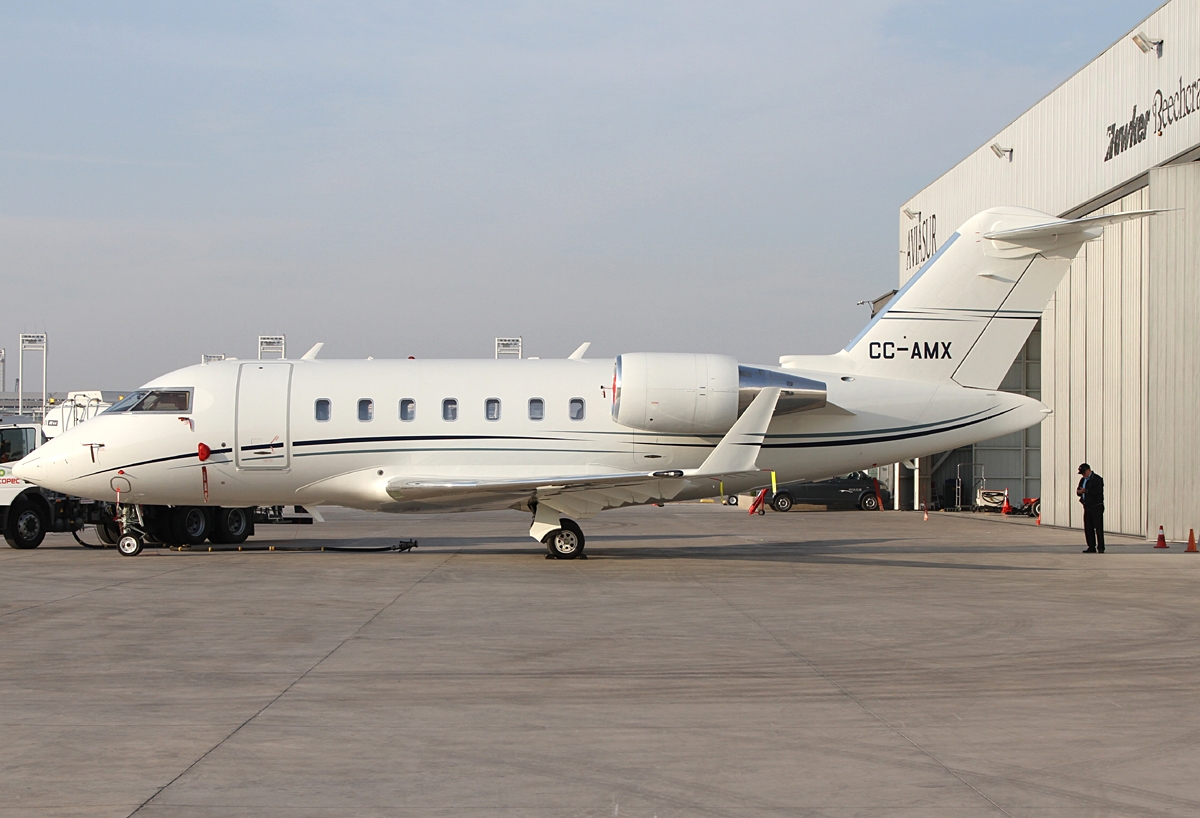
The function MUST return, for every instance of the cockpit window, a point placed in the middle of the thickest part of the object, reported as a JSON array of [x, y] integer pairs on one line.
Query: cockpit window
[[165, 400], [178, 401], [126, 403]]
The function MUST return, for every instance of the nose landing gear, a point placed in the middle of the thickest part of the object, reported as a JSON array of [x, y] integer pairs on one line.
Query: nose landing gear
[[129, 546], [133, 532]]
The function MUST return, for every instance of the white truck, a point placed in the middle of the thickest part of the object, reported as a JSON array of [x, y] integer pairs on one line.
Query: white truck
[[28, 513]]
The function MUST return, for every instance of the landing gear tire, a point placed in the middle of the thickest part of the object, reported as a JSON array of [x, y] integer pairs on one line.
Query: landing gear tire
[[782, 502], [869, 502], [565, 543], [191, 525], [129, 546], [231, 526], [26, 526], [108, 533], [731, 500]]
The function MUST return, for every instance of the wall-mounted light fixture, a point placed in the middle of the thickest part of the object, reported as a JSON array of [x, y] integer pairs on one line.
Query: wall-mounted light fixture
[[1002, 152], [1147, 43], [914, 215]]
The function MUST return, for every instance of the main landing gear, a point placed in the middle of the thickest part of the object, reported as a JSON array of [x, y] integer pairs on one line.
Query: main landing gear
[[565, 543], [562, 536]]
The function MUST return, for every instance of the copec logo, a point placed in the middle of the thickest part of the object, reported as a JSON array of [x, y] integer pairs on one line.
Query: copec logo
[[925, 350]]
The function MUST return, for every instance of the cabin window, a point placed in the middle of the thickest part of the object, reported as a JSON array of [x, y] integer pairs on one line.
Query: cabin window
[[491, 408], [537, 409], [576, 410], [366, 409], [322, 411], [408, 409], [449, 409]]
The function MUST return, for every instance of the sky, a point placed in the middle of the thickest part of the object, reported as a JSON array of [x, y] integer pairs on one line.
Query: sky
[[398, 179]]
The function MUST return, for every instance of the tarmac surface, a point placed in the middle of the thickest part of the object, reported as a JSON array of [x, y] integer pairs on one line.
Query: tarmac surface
[[701, 663]]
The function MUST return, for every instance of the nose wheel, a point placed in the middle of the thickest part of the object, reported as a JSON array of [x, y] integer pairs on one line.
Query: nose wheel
[[129, 545]]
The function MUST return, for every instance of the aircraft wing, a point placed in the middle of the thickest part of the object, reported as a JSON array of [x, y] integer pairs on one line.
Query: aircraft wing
[[583, 495]]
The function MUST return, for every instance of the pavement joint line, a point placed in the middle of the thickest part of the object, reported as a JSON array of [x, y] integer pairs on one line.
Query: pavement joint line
[[93, 590], [848, 694], [159, 791]]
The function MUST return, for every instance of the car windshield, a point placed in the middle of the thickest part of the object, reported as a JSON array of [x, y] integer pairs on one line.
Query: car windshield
[[15, 444]]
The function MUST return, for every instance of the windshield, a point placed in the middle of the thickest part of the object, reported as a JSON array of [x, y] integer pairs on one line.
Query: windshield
[[155, 400], [124, 404]]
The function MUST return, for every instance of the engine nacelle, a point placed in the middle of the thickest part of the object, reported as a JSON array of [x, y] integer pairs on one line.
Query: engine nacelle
[[676, 392]]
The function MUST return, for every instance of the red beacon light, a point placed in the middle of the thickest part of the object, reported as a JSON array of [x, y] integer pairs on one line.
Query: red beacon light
[[203, 451]]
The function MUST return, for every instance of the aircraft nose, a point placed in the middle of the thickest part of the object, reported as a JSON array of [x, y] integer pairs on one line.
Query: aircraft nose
[[47, 466]]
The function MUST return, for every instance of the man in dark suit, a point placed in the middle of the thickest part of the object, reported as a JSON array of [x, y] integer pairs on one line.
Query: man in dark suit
[[1091, 495]]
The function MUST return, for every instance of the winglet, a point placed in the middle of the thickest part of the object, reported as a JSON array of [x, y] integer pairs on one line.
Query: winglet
[[577, 355], [738, 450], [311, 355]]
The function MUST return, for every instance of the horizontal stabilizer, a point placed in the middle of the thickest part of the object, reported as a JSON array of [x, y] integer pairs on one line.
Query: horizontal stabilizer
[[1088, 228]]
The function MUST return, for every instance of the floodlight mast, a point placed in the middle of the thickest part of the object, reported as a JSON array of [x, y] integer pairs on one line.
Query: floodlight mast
[[30, 342], [508, 347], [272, 346]]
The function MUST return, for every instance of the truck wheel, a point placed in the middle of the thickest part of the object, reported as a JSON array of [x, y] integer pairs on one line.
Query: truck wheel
[[108, 533], [191, 525], [782, 502], [26, 525], [129, 546], [869, 502], [231, 526]]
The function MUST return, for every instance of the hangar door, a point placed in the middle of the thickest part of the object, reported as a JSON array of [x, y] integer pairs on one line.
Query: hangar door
[[263, 440]]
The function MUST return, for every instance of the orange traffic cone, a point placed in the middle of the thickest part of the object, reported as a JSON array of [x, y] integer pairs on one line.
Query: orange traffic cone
[[926, 512], [1162, 539], [1039, 521], [1006, 508], [1191, 549]]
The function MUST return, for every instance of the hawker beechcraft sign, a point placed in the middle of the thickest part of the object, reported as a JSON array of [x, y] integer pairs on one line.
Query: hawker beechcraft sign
[[1166, 108]]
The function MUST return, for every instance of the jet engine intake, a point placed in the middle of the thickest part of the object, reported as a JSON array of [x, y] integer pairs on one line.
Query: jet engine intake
[[676, 392]]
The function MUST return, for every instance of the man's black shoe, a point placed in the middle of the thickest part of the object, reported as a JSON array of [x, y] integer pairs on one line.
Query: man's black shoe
[[1089, 550], [1100, 550]]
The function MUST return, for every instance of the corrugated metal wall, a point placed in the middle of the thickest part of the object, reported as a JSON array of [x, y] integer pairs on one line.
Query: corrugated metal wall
[[1094, 371], [1173, 322], [1118, 360]]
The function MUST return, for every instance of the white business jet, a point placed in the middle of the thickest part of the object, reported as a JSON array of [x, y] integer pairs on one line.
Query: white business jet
[[561, 440]]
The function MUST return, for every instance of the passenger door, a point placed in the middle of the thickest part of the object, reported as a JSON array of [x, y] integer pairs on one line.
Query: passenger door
[[263, 439]]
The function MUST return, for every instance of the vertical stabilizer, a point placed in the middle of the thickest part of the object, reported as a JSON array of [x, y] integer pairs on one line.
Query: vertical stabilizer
[[968, 310]]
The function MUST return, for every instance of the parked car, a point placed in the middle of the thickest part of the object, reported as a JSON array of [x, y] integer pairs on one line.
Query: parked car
[[854, 490]]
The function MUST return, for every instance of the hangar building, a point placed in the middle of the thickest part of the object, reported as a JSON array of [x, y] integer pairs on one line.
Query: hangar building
[[1116, 355]]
